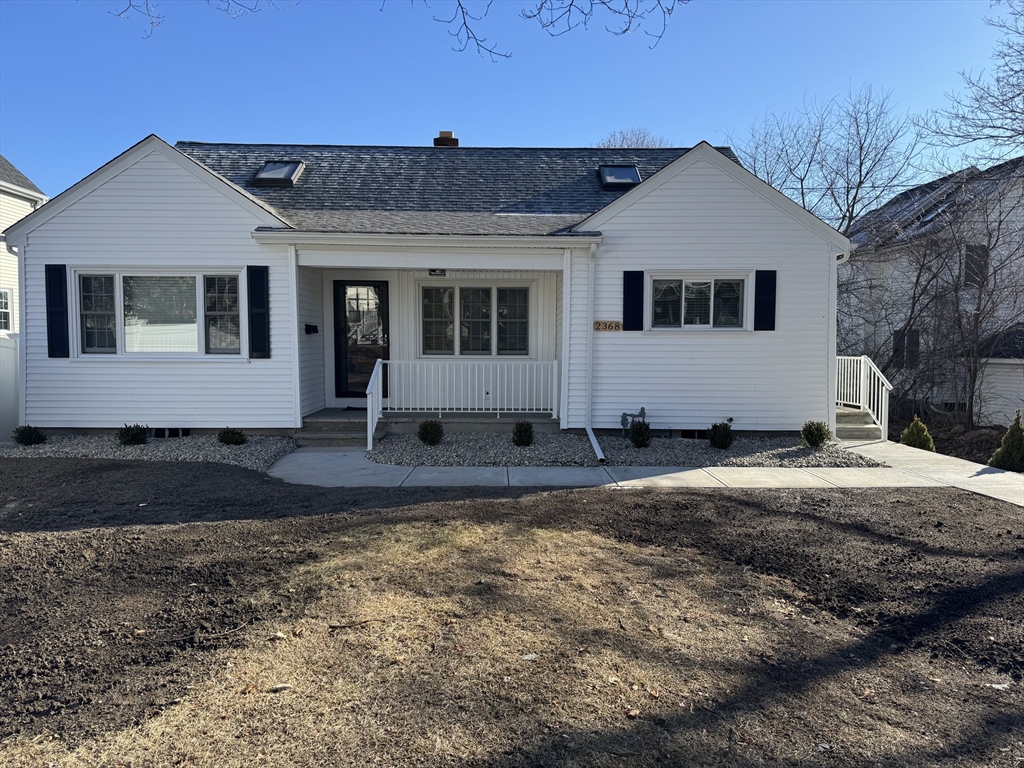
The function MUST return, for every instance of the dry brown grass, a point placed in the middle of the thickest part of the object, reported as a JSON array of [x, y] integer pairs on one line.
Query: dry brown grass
[[470, 644]]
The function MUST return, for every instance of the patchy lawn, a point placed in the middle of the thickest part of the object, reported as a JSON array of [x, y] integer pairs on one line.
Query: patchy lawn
[[501, 627]]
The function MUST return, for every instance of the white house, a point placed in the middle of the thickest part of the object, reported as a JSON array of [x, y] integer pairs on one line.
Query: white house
[[18, 198], [205, 285], [935, 293]]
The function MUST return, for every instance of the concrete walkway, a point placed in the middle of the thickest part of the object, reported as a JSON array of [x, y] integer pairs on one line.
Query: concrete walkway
[[908, 468]]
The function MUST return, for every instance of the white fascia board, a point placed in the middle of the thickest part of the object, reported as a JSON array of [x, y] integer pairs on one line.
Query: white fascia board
[[1003, 360], [543, 243], [704, 151], [129, 157], [430, 259], [28, 194]]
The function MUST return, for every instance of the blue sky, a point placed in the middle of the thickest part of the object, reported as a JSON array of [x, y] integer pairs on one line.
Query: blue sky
[[79, 85]]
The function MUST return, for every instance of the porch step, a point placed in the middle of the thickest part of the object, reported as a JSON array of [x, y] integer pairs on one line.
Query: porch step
[[858, 432], [324, 438], [852, 416]]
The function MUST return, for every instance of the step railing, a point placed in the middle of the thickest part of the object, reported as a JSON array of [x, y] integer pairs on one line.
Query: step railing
[[479, 386], [374, 401], [859, 384]]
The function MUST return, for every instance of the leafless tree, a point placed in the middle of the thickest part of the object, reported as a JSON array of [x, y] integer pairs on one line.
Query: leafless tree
[[635, 138], [989, 114], [465, 19], [838, 159], [946, 278]]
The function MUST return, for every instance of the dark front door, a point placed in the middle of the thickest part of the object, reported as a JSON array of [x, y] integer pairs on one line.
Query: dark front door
[[360, 334]]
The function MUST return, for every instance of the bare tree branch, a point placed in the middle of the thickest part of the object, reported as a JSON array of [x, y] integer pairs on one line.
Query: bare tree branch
[[556, 17], [990, 113], [838, 159], [636, 137]]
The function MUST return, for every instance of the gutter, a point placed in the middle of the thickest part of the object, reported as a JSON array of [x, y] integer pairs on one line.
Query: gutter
[[295, 237]]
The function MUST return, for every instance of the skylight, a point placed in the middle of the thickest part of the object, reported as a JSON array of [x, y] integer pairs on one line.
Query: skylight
[[279, 173], [619, 175]]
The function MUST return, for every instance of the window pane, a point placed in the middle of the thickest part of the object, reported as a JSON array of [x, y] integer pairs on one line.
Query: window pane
[[513, 321], [475, 313], [667, 303], [97, 318], [160, 314], [438, 321], [223, 327], [728, 303], [697, 304], [5, 310]]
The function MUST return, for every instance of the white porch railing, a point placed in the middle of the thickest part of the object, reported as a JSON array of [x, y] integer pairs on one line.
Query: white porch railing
[[374, 401], [859, 384], [502, 386]]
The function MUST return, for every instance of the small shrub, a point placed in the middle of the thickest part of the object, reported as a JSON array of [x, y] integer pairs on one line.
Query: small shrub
[[136, 434], [917, 436], [815, 434], [640, 433], [26, 434], [431, 432], [232, 437], [522, 433], [1010, 453], [720, 435]]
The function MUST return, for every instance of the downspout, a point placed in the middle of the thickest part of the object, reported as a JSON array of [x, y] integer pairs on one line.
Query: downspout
[[590, 353]]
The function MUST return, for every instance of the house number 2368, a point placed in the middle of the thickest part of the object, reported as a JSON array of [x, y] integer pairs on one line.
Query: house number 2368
[[607, 325]]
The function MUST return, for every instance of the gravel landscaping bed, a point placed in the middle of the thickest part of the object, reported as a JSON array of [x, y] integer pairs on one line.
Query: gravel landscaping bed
[[258, 453], [483, 449]]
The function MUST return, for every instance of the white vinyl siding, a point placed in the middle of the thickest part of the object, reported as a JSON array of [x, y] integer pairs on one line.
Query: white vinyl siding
[[705, 220], [311, 345], [1002, 392], [155, 215]]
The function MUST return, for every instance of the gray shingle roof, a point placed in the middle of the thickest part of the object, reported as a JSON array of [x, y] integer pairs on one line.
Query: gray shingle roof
[[432, 190], [1008, 344], [11, 175], [929, 208]]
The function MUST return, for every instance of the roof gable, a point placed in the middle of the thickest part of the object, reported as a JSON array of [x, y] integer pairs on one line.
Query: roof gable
[[150, 144], [705, 152], [433, 190]]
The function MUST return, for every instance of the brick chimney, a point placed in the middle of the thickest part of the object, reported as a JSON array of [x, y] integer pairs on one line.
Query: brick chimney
[[446, 139]]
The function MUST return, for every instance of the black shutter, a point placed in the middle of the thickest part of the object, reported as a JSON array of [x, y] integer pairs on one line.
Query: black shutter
[[259, 311], [913, 347], [764, 300], [57, 342], [632, 300]]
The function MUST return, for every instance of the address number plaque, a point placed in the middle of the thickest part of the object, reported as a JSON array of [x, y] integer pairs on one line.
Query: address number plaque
[[607, 325]]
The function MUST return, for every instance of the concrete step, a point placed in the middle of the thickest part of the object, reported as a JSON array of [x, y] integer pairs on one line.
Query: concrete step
[[336, 425], [852, 416], [858, 432], [322, 438]]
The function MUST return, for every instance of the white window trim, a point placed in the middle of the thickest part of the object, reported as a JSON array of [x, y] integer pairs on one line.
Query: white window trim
[[75, 314], [531, 296], [9, 310], [700, 275]]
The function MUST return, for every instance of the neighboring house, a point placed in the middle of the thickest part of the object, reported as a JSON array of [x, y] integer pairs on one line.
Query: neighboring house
[[206, 285], [1003, 385], [18, 198], [935, 281]]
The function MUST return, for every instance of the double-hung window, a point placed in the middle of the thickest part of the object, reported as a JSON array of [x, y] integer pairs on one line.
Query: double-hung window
[[698, 303], [475, 320], [158, 314], [5, 309]]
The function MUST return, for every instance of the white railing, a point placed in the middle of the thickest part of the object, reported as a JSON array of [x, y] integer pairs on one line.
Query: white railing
[[472, 386], [374, 401], [859, 384]]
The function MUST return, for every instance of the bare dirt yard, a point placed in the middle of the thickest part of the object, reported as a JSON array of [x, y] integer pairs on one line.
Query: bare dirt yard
[[155, 614]]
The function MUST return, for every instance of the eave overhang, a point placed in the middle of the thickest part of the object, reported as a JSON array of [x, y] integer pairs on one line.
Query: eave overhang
[[440, 242]]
